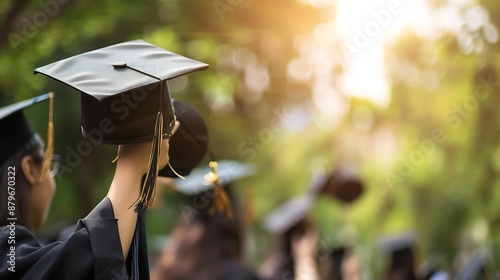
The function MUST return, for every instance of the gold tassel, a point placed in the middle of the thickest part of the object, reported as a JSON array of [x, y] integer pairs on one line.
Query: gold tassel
[[221, 201], [49, 149], [148, 189]]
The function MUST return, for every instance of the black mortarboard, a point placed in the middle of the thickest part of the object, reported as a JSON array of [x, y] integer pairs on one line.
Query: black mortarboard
[[125, 95], [110, 77], [215, 177], [288, 215], [17, 131], [343, 183]]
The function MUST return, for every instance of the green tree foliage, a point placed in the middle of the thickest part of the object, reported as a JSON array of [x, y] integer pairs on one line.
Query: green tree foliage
[[430, 158]]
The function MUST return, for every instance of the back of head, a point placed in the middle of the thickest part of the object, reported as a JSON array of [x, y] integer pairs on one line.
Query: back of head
[[18, 140], [201, 246], [14, 184]]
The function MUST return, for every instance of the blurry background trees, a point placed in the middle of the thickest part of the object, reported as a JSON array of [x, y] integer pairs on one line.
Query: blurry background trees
[[408, 93]]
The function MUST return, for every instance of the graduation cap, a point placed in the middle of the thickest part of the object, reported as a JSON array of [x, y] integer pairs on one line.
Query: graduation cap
[[215, 177], [289, 215], [228, 171], [343, 183], [18, 134], [125, 98]]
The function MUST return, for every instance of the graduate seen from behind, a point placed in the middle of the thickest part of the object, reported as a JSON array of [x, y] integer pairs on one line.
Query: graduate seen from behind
[[99, 245], [207, 242], [110, 242]]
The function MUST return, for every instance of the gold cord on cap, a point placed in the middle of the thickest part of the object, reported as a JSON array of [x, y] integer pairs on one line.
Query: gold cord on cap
[[221, 201], [175, 172], [49, 150]]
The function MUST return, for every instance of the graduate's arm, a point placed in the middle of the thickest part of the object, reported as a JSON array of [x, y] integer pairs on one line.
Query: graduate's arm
[[125, 187]]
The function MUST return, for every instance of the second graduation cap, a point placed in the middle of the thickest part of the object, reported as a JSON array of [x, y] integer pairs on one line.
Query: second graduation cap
[[215, 177], [19, 136], [125, 97], [289, 214], [227, 171]]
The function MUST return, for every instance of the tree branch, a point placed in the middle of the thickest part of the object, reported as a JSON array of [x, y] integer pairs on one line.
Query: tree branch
[[16, 7]]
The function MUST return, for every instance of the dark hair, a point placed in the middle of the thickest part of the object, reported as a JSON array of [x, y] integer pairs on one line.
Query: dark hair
[[11, 167], [220, 242], [281, 254]]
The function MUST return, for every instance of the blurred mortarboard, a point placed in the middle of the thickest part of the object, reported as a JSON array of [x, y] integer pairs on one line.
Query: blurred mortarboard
[[343, 183], [17, 131], [215, 177], [125, 97], [289, 214], [228, 171]]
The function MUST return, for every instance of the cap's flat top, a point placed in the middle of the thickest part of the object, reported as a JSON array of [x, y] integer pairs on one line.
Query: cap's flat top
[[109, 71], [228, 171], [288, 214], [13, 108]]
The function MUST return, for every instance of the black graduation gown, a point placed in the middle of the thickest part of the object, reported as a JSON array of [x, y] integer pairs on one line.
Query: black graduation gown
[[93, 251], [233, 270]]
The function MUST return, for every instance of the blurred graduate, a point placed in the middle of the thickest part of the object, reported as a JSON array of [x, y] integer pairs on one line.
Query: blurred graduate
[[208, 243], [294, 253]]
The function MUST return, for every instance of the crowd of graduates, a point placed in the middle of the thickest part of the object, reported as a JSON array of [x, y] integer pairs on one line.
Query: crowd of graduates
[[160, 139]]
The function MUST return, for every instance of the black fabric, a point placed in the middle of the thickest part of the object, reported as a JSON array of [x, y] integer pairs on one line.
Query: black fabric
[[142, 252], [238, 271], [189, 144], [92, 252], [16, 132]]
